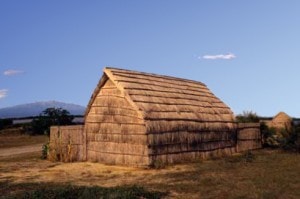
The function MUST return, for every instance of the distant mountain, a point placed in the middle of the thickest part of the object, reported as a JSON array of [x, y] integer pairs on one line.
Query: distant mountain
[[34, 109]]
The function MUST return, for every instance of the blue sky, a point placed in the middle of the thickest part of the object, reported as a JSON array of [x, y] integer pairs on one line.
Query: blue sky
[[246, 52]]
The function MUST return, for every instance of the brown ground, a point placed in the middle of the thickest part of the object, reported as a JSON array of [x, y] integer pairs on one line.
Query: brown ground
[[12, 151], [8, 141], [272, 174]]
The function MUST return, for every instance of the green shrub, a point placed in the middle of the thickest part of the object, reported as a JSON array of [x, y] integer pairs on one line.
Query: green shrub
[[281, 138], [271, 138], [45, 150], [292, 143]]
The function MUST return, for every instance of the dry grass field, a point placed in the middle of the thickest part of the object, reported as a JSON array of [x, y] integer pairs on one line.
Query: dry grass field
[[12, 138], [263, 174]]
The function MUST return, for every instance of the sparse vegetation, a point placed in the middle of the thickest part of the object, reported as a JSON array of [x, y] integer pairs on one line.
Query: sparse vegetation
[[292, 142], [8, 140], [62, 191], [45, 150], [258, 174], [281, 138], [252, 174], [247, 117]]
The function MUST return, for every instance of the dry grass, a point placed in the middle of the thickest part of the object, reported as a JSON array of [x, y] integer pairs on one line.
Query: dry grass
[[267, 174], [271, 174], [17, 140]]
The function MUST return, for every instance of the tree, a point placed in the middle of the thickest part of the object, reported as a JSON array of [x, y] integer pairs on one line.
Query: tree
[[50, 117], [5, 123]]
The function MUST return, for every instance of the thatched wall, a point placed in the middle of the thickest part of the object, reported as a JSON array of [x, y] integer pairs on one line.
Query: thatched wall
[[248, 136], [184, 146], [189, 143], [115, 132], [67, 143]]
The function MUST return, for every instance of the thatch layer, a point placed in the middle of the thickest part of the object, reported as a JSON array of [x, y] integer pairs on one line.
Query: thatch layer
[[157, 97], [248, 137], [282, 121], [114, 128], [192, 156], [67, 143], [282, 117]]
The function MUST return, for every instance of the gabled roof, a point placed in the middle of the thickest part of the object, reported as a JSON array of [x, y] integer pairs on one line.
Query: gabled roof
[[159, 97], [282, 117]]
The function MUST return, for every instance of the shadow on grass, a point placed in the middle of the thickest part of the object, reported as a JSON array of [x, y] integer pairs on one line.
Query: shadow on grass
[[51, 190]]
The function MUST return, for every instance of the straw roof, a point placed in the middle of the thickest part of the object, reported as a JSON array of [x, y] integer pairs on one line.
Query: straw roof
[[159, 98], [281, 120], [282, 117]]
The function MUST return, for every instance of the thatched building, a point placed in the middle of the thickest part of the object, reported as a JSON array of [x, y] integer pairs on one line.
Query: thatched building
[[136, 118], [140, 118]]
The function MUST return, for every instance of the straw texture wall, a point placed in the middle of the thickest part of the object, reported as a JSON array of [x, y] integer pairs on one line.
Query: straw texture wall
[[137, 118], [248, 136], [115, 132], [67, 143]]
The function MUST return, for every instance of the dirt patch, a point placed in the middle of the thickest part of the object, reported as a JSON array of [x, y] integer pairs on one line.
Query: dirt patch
[[20, 150], [16, 145], [7, 141]]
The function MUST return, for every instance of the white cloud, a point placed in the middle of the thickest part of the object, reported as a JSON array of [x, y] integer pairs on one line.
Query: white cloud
[[220, 56], [12, 72], [3, 93]]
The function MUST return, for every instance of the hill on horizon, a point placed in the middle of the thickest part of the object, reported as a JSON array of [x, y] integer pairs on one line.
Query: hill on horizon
[[36, 108]]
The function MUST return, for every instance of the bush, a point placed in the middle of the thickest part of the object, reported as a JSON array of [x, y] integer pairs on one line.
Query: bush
[[247, 117], [45, 151], [281, 138], [270, 137], [292, 143]]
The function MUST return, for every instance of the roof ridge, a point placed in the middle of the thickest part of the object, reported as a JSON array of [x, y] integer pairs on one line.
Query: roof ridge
[[156, 75], [281, 113]]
